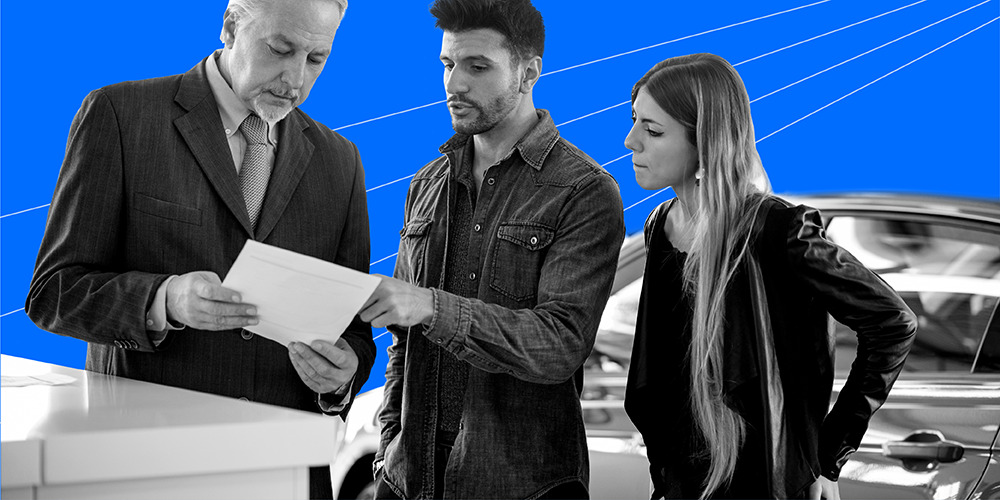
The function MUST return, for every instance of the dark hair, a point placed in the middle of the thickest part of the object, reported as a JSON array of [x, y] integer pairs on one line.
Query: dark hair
[[517, 20]]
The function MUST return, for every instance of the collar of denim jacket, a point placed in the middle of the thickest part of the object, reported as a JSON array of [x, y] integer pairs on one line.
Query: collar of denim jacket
[[533, 147]]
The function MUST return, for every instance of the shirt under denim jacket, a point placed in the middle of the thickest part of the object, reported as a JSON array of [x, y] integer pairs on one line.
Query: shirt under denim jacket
[[543, 248]]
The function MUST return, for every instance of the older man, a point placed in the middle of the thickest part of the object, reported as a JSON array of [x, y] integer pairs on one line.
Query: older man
[[506, 260], [163, 182]]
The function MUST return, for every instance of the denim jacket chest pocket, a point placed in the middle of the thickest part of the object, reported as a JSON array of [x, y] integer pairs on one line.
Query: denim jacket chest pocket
[[517, 258], [413, 246]]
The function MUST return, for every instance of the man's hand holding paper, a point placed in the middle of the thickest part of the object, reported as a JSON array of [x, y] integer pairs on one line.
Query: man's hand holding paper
[[398, 303], [322, 366], [199, 300]]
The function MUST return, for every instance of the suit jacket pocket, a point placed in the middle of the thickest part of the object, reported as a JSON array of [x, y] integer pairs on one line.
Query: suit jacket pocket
[[166, 209]]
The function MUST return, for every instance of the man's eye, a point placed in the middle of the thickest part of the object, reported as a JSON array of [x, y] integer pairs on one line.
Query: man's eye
[[479, 68], [277, 52]]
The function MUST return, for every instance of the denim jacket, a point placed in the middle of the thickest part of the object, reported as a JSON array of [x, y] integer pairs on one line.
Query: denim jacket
[[544, 249]]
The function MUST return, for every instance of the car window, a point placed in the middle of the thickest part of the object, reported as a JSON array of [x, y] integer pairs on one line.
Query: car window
[[988, 357], [948, 275]]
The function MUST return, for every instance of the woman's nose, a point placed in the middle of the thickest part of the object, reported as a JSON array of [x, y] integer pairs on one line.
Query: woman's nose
[[631, 142]]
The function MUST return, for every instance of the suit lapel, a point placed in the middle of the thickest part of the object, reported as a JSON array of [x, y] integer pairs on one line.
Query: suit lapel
[[201, 129], [295, 152]]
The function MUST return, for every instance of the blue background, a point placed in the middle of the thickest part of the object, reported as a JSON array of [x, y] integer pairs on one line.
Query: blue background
[[930, 127]]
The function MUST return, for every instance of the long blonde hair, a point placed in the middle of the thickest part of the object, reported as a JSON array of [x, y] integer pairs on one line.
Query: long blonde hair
[[706, 95]]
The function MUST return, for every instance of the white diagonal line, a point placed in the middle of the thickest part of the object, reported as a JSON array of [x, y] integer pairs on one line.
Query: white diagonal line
[[775, 52], [603, 59], [867, 52], [616, 159], [636, 50], [388, 183], [683, 38], [847, 95], [831, 32], [26, 210], [878, 79], [387, 257], [11, 312], [594, 113], [644, 199], [342, 127]]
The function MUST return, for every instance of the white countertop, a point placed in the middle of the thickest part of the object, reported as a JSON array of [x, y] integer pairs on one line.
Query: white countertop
[[101, 428]]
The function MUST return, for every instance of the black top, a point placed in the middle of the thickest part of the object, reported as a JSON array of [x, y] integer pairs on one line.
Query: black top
[[673, 443], [804, 278]]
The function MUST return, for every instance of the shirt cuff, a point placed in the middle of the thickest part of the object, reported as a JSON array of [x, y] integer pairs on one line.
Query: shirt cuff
[[434, 315], [157, 324], [451, 321], [335, 402]]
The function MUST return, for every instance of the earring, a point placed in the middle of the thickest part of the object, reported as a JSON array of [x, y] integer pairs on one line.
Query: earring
[[698, 175]]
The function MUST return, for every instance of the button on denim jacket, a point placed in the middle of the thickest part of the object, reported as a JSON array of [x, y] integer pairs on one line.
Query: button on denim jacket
[[544, 257]]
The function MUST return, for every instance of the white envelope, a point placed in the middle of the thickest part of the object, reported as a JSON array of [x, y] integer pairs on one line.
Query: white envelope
[[298, 298]]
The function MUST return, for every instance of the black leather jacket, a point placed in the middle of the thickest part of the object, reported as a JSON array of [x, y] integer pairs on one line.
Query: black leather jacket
[[805, 277]]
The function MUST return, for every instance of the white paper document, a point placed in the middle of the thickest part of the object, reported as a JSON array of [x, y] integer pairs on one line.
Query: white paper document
[[43, 379], [298, 298]]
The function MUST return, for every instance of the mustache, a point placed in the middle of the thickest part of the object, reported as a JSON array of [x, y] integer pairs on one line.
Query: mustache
[[284, 93]]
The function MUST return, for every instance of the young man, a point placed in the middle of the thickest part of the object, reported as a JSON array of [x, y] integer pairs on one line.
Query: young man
[[505, 264], [163, 182]]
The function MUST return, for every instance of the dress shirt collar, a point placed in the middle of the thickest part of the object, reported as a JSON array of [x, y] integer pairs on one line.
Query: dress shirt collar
[[231, 108]]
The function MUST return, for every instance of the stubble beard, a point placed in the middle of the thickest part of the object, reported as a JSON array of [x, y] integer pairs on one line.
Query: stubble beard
[[490, 115]]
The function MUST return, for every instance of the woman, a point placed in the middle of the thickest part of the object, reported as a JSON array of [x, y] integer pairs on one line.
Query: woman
[[732, 333]]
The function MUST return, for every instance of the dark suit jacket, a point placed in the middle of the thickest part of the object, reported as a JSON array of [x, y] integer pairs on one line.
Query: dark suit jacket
[[148, 188]]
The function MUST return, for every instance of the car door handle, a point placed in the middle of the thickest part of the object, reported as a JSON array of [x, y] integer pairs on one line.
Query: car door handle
[[924, 445]]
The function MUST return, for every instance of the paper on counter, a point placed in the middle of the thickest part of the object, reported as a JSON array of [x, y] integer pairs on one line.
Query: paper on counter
[[43, 379], [298, 298]]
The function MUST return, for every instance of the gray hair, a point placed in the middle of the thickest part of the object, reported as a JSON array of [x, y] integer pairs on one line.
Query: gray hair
[[247, 8]]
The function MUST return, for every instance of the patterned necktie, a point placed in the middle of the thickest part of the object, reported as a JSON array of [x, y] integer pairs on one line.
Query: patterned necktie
[[256, 170]]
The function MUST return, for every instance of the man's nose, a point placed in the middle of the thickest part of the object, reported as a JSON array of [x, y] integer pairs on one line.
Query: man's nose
[[293, 74], [455, 81]]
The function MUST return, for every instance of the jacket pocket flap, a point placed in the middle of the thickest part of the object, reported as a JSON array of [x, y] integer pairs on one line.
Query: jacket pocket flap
[[166, 209], [530, 235], [416, 227]]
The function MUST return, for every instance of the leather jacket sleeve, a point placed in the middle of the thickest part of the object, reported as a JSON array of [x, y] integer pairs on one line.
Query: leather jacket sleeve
[[861, 300]]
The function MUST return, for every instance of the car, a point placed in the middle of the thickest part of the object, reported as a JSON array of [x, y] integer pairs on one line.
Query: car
[[936, 437]]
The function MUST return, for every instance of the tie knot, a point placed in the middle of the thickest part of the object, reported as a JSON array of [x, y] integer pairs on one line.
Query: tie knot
[[254, 129]]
